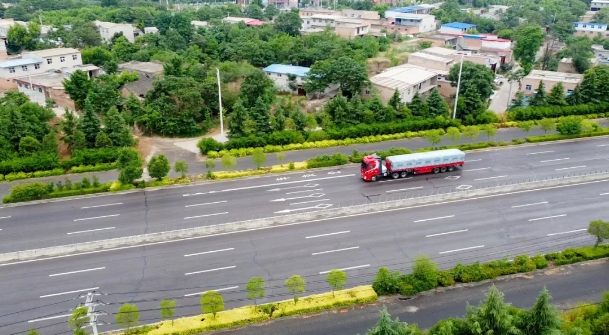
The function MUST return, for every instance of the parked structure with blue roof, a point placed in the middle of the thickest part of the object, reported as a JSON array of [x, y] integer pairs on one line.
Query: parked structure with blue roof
[[281, 74], [456, 28]]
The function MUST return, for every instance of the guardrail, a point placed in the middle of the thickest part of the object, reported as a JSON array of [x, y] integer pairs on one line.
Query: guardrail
[[179, 231]]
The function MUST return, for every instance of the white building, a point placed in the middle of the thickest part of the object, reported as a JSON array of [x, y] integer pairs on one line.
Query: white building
[[57, 58], [597, 5], [280, 74], [197, 24], [151, 30], [20, 67], [108, 29], [589, 29], [456, 28], [407, 79], [424, 22]]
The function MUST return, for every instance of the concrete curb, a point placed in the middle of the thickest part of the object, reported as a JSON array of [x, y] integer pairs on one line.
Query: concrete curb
[[278, 221]]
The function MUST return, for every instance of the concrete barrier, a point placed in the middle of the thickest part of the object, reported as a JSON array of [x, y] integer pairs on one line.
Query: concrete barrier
[[277, 221]]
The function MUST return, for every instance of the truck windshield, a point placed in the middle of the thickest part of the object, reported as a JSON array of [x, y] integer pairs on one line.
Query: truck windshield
[[364, 165]]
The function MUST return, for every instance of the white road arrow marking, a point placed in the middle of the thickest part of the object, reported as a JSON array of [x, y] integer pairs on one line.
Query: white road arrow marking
[[313, 195], [200, 193], [334, 172], [452, 177], [320, 206], [289, 188], [282, 178], [309, 175]]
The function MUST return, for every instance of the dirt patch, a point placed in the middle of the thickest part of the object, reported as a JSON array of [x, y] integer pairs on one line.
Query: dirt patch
[[145, 146]]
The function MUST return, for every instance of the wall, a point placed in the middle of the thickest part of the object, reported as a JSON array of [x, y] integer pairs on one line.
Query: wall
[[451, 31], [566, 67], [350, 31], [281, 81], [429, 63], [444, 87], [69, 60], [360, 14], [401, 30], [549, 84]]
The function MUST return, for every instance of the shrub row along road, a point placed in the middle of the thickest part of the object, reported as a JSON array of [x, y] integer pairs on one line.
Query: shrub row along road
[[64, 222], [486, 228]]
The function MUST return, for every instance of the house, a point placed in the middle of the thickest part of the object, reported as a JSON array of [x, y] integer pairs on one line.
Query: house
[[151, 30], [284, 4], [600, 52], [494, 12], [589, 29], [456, 28], [305, 12], [13, 68], [416, 9], [487, 44], [236, 20], [587, 17], [441, 40], [431, 61], [488, 60], [199, 24], [282, 75], [360, 14], [107, 30], [56, 58], [407, 79], [550, 78], [565, 65], [147, 72], [343, 27], [423, 22], [597, 5]]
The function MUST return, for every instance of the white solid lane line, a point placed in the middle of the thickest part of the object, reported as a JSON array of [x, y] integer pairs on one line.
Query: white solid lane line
[[533, 204], [568, 232], [490, 178], [486, 168], [50, 318], [322, 235], [554, 160], [438, 218], [331, 251], [389, 180], [405, 189], [209, 252], [118, 203], [602, 145], [70, 292], [537, 153], [218, 290], [318, 189], [98, 217], [573, 167], [473, 160], [202, 216], [210, 270], [548, 217], [306, 202], [207, 203], [450, 232], [603, 193], [72, 272], [88, 231], [345, 269], [5, 217], [462, 249]]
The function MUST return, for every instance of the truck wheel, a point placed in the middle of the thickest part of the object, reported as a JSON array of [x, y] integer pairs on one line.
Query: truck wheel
[[373, 178], [443, 169], [451, 168], [403, 174], [436, 170], [395, 175]]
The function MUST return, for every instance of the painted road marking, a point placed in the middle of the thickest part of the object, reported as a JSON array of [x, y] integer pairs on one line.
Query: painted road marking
[[603, 193], [320, 206], [88, 231], [218, 290], [573, 167], [70, 292], [207, 203], [405, 189], [602, 145], [79, 271], [548, 217], [330, 234], [554, 160], [438, 218], [462, 249], [205, 215], [464, 187], [486, 168], [541, 152], [309, 175], [210, 270], [98, 217], [450, 232], [293, 187], [452, 177], [118, 203], [345, 269], [50, 318], [312, 195], [473, 160], [390, 180], [209, 252], [317, 189], [490, 178], [331, 251], [307, 202], [533, 204], [5, 217], [568, 232]]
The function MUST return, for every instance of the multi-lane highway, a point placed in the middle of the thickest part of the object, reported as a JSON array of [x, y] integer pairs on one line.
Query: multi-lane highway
[[465, 230], [64, 222]]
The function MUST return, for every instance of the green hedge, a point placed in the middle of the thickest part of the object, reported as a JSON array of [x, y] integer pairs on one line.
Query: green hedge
[[37, 174], [35, 162], [91, 157], [574, 255], [558, 137], [93, 168], [538, 113], [327, 160], [40, 191]]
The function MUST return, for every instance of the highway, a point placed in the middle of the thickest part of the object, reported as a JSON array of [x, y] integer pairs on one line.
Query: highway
[[482, 228], [116, 215]]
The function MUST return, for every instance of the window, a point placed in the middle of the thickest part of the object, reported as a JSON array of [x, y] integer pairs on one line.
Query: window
[[367, 91], [576, 25], [62, 59], [528, 87], [569, 92], [37, 66], [11, 70], [49, 61], [24, 67], [20, 85], [40, 89], [583, 26], [74, 57]]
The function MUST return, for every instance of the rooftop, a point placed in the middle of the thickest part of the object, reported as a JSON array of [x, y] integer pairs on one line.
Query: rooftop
[[299, 71], [439, 51], [255, 23], [432, 57], [49, 79], [437, 72], [149, 67], [326, 17], [459, 25], [412, 15], [555, 76], [402, 77], [19, 62], [442, 37], [236, 19], [600, 1], [414, 8], [103, 24], [140, 87], [591, 23], [199, 23], [51, 52]]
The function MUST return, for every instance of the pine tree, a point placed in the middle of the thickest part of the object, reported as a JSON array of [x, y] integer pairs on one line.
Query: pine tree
[[279, 117], [380, 111], [79, 141], [261, 113], [576, 97], [68, 126], [396, 101], [557, 95], [386, 326], [589, 88], [437, 104], [50, 142], [237, 120], [539, 98], [492, 316], [418, 106], [299, 118], [470, 103], [117, 129], [519, 102], [90, 125], [102, 140], [356, 110], [339, 117], [542, 318]]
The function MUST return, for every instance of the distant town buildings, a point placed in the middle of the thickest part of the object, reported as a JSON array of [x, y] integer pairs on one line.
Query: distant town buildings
[[550, 78], [147, 72], [107, 30], [285, 76], [590, 29], [406, 79]]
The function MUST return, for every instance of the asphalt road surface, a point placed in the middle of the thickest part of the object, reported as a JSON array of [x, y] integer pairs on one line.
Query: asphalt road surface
[[64, 222], [481, 228]]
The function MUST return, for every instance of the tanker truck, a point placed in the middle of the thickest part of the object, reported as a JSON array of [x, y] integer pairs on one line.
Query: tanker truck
[[400, 166]]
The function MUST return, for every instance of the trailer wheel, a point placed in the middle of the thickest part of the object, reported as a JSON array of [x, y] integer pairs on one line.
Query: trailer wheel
[[443, 169], [436, 170], [373, 178], [403, 174], [395, 175], [451, 168]]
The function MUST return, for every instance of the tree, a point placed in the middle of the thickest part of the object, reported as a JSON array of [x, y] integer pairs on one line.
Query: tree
[[255, 289], [117, 129], [33, 332], [261, 114], [557, 95], [526, 126], [228, 161], [601, 16], [471, 132], [474, 76], [350, 75], [595, 84], [492, 316], [158, 167], [258, 157], [418, 106], [77, 87], [434, 137], [212, 302], [576, 97], [97, 56], [547, 125], [79, 318], [181, 167], [168, 309], [470, 104], [425, 273], [129, 164], [128, 316], [337, 280], [28, 145], [600, 229], [289, 23], [542, 318], [280, 156], [539, 98], [68, 126], [570, 125], [102, 140], [528, 38], [386, 326], [79, 141], [90, 126], [396, 100], [50, 143], [580, 51], [453, 134], [257, 85], [437, 104], [237, 120], [489, 130], [295, 284], [271, 11]]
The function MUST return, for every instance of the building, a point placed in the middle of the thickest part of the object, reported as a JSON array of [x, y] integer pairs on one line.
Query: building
[[486, 44], [589, 29], [151, 30], [441, 40], [305, 12], [550, 78], [107, 30], [57, 58], [360, 14], [422, 22], [587, 17], [236, 20], [431, 61], [488, 60], [343, 27], [407, 79], [494, 12], [456, 28], [416, 9], [282, 75], [10, 69], [147, 72], [600, 52], [199, 24], [597, 5], [566, 65]]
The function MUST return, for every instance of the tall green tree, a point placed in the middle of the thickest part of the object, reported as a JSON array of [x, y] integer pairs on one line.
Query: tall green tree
[[261, 114], [103, 94], [258, 157], [90, 126], [528, 39], [212, 302], [542, 318], [539, 98], [102, 140], [575, 98], [181, 167], [350, 75], [79, 318], [492, 316], [595, 84], [237, 121], [128, 316], [580, 51], [338, 110], [255, 289], [418, 106], [77, 87], [600, 229], [257, 85], [117, 129], [557, 95], [470, 103], [395, 101], [158, 167], [289, 23], [129, 164], [386, 326], [437, 104], [474, 76], [50, 143]]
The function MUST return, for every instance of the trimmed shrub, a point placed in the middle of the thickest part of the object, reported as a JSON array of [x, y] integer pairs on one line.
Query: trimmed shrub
[[208, 144], [36, 162], [540, 261], [446, 278], [325, 160], [538, 113], [91, 157], [27, 192]]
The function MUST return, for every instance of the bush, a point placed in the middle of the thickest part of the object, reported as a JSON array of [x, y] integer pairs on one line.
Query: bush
[[318, 135], [93, 168], [91, 157], [386, 282], [538, 113], [570, 125], [36, 162], [209, 144], [446, 278], [27, 192], [557, 137], [540, 262], [325, 160]]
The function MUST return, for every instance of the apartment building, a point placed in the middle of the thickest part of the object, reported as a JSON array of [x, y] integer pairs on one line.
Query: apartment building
[[491, 61], [406, 78], [108, 29], [343, 27], [57, 58], [550, 78], [360, 14], [590, 29], [13, 68], [597, 5]]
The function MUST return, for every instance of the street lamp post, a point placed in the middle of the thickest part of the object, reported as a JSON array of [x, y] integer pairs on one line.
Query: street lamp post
[[220, 102], [458, 87]]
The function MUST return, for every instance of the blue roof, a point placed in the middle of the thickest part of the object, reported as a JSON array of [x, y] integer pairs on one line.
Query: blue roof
[[299, 71], [408, 9], [594, 23], [20, 62], [459, 25]]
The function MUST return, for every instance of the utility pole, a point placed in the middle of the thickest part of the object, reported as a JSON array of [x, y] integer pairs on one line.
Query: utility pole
[[220, 102], [458, 87]]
